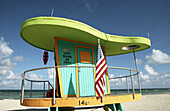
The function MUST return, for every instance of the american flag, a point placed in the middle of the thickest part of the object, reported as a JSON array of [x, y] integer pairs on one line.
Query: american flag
[[101, 68]]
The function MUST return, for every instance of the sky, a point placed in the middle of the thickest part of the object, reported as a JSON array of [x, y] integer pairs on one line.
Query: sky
[[119, 17]]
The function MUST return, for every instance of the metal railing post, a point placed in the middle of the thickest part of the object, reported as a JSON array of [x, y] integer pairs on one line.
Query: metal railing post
[[31, 90], [48, 85], [44, 90], [132, 84], [54, 86], [127, 84], [137, 71], [139, 82], [22, 87]]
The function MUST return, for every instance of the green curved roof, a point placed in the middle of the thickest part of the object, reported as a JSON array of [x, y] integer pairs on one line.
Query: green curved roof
[[40, 31]]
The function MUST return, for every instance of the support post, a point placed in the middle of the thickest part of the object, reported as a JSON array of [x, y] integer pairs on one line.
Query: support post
[[137, 71], [31, 90], [48, 86], [132, 84], [54, 86], [22, 88], [106, 108], [119, 107], [127, 84], [53, 109], [44, 90], [112, 107]]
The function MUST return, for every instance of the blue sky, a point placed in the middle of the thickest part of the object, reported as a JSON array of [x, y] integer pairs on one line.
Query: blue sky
[[120, 17]]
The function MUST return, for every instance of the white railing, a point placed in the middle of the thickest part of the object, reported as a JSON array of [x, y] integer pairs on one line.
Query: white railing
[[54, 77]]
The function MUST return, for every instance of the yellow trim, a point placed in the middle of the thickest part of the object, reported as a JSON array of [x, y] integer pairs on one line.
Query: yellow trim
[[58, 69], [76, 101], [107, 77], [57, 85], [77, 75], [94, 70]]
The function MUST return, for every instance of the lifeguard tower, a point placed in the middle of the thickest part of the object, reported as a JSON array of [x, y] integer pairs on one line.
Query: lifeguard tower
[[75, 48]]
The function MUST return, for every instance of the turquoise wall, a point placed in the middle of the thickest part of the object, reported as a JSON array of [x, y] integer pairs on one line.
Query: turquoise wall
[[66, 51], [86, 75]]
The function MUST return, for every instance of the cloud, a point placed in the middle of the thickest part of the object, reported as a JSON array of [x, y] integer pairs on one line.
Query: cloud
[[50, 73], [162, 80], [117, 83], [158, 57], [5, 50], [18, 58], [8, 78], [90, 5], [111, 75], [144, 77], [139, 61], [150, 70], [6, 67], [12, 76], [33, 76], [7, 64], [5, 72]]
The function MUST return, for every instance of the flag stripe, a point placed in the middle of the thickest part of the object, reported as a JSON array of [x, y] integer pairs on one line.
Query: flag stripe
[[100, 65], [101, 73], [101, 68], [97, 64]]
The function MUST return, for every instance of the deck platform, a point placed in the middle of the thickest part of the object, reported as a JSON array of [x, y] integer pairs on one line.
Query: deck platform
[[78, 102]]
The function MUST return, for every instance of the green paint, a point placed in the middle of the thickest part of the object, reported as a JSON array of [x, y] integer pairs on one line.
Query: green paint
[[68, 74], [40, 32], [119, 107], [112, 107]]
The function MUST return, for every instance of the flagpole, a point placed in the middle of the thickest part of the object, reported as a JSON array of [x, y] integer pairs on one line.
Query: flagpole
[[100, 65], [98, 41], [101, 99], [102, 96]]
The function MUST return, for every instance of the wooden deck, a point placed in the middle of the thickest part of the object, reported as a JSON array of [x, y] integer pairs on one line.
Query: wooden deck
[[77, 102]]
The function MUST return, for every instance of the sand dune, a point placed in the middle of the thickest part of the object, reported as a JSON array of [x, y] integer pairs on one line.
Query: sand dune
[[148, 103]]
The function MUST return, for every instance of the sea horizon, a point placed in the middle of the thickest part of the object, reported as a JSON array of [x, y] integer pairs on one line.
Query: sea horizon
[[16, 93]]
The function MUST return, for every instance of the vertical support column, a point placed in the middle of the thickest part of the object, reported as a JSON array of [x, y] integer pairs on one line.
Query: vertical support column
[[127, 84], [106, 108], [53, 109], [119, 107], [132, 84], [137, 71], [112, 107], [44, 90], [22, 87], [54, 83], [31, 90]]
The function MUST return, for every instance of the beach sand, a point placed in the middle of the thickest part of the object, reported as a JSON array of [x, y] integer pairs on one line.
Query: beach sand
[[148, 103]]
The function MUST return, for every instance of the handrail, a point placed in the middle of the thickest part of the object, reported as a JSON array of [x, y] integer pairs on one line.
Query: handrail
[[122, 68], [123, 76], [39, 81], [77, 66], [23, 77]]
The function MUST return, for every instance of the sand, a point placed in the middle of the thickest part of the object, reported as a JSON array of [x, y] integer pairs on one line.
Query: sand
[[148, 103]]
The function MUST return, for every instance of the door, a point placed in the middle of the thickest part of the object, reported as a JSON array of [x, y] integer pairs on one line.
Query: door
[[85, 57]]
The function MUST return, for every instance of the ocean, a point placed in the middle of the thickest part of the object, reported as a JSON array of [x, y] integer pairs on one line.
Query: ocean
[[15, 94]]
